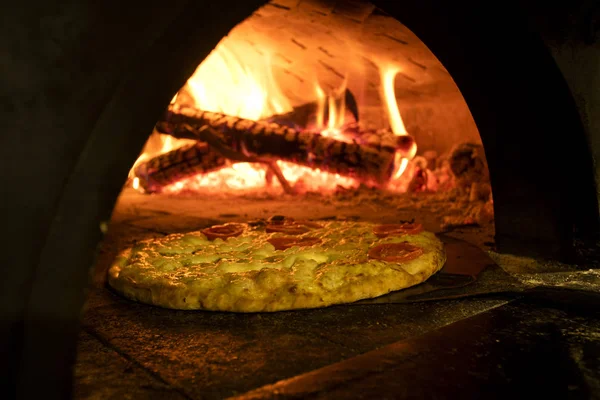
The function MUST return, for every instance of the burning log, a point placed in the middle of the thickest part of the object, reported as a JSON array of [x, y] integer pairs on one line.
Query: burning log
[[381, 138], [305, 115], [171, 167], [234, 127], [371, 163], [188, 161]]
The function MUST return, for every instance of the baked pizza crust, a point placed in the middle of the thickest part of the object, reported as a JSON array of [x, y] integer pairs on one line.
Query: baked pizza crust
[[247, 274]]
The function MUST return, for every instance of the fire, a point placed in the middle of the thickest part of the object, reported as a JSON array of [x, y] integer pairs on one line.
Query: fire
[[236, 177], [332, 107], [224, 83], [388, 78], [237, 80], [251, 177]]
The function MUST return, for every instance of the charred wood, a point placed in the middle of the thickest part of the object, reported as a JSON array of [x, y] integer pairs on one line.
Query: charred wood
[[371, 163], [190, 160], [381, 138], [175, 165]]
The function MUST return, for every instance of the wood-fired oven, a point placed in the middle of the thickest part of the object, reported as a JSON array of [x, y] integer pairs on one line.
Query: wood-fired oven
[[485, 123]]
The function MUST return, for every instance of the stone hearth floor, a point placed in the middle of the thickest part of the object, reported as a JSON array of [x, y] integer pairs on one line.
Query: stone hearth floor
[[130, 350]]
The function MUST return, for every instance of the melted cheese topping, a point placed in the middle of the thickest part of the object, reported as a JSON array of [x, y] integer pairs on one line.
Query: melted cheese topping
[[246, 273]]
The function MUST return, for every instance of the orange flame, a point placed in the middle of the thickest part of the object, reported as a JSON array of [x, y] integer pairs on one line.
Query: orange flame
[[336, 112], [238, 81], [388, 78]]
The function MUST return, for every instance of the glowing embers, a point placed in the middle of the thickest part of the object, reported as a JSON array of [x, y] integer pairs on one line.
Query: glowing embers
[[250, 177]]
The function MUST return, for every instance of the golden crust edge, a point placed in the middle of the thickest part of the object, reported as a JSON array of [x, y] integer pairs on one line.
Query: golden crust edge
[[146, 294]]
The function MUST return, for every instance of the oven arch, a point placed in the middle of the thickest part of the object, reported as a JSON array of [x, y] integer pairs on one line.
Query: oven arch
[[64, 228]]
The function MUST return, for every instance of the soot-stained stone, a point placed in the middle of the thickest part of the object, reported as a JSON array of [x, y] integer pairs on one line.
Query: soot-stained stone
[[102, 373], [213, 355], [201, 351], [519, 350]]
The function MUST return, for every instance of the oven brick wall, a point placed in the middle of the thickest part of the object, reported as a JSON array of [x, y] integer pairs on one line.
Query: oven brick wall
[[328, 42]]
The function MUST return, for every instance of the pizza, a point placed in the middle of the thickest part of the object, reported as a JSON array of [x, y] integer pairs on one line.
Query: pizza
[[276, 264]]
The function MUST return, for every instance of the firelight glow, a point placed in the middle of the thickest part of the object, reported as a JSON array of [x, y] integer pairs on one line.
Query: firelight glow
[[223, 83], [237, 80]]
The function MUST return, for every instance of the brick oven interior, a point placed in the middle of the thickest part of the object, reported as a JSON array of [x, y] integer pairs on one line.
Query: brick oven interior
[[335, 46], [540, 341], [195, 354]]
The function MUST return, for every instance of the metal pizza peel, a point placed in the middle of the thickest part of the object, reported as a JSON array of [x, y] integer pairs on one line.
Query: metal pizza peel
[[469, 272]]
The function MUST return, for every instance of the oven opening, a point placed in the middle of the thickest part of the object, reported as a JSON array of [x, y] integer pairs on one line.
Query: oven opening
[[318, 111]]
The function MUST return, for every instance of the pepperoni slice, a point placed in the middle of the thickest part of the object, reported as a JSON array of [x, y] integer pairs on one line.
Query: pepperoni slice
[[385, 230], [282, 243], [223, 231], [395, 252], [287, 229]]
